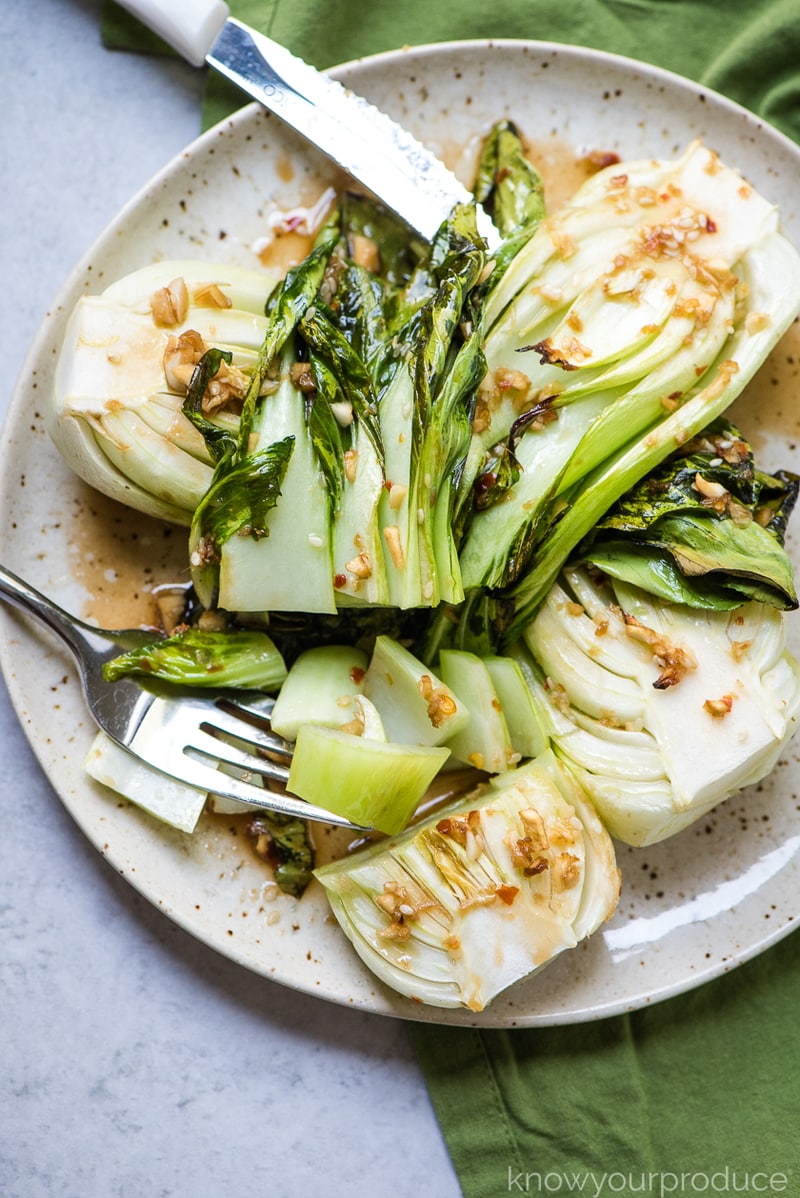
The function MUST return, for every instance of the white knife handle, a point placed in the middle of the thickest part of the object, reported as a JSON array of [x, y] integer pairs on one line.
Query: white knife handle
[[190, 26]]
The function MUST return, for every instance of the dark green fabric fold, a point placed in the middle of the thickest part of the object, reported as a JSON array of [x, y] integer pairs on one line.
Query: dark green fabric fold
[[700, 1093]]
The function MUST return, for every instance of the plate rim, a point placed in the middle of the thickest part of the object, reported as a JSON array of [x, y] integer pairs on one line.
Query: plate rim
[[397, 1007]]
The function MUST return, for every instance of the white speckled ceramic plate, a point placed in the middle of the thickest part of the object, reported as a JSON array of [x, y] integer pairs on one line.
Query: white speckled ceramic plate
[[691, 908]]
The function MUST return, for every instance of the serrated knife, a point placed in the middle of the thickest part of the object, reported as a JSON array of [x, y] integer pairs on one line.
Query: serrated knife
[[373, 149]]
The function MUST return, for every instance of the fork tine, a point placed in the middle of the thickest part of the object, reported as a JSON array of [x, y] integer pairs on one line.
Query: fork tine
[[204, 745], [258, 706], [169, 727], [226, 718]]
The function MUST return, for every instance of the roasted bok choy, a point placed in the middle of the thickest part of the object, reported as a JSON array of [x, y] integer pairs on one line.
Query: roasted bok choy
[[705, 528], [432, 426], [660, 710], [238, 657], [490, 512], [483, 893], [123, 374], [631, 319]]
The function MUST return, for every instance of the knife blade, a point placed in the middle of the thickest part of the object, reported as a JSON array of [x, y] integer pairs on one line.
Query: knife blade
[[367, 144]]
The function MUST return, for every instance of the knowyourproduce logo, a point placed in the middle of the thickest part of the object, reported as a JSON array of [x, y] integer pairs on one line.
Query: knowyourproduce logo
[[657, 1185]]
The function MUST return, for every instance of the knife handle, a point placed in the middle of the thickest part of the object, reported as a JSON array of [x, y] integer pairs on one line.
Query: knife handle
[[190, 26]]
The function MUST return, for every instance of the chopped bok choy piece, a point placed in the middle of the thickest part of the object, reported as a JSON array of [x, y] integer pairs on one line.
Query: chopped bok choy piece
[[372, 782], [281, 840], [484, 743], [320, 688], [526, 729], [416, 706], [482, 894], [166, 799], [661, 711]]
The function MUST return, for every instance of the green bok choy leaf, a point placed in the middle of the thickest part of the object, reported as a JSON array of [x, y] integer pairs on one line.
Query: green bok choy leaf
[[237, 658], [704, 528]]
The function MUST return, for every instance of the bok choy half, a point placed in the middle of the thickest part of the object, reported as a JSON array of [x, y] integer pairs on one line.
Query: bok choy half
[[631, 320], [660, 710], [484, 893], [122, 376]]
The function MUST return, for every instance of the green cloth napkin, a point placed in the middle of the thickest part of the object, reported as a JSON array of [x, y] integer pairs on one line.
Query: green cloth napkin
[[699, 1094], [747, 49]]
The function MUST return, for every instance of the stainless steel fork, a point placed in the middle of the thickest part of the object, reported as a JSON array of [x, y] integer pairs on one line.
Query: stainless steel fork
[[220, 742]]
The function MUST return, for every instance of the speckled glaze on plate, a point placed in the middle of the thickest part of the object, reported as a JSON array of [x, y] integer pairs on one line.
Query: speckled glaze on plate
[[691, 908]]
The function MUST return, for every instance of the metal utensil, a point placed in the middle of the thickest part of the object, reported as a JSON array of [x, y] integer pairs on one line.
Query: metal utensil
[[378, 153], [219, 742]]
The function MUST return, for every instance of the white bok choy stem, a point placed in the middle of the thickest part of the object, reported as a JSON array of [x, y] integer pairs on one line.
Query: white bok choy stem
[[294, 557]]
